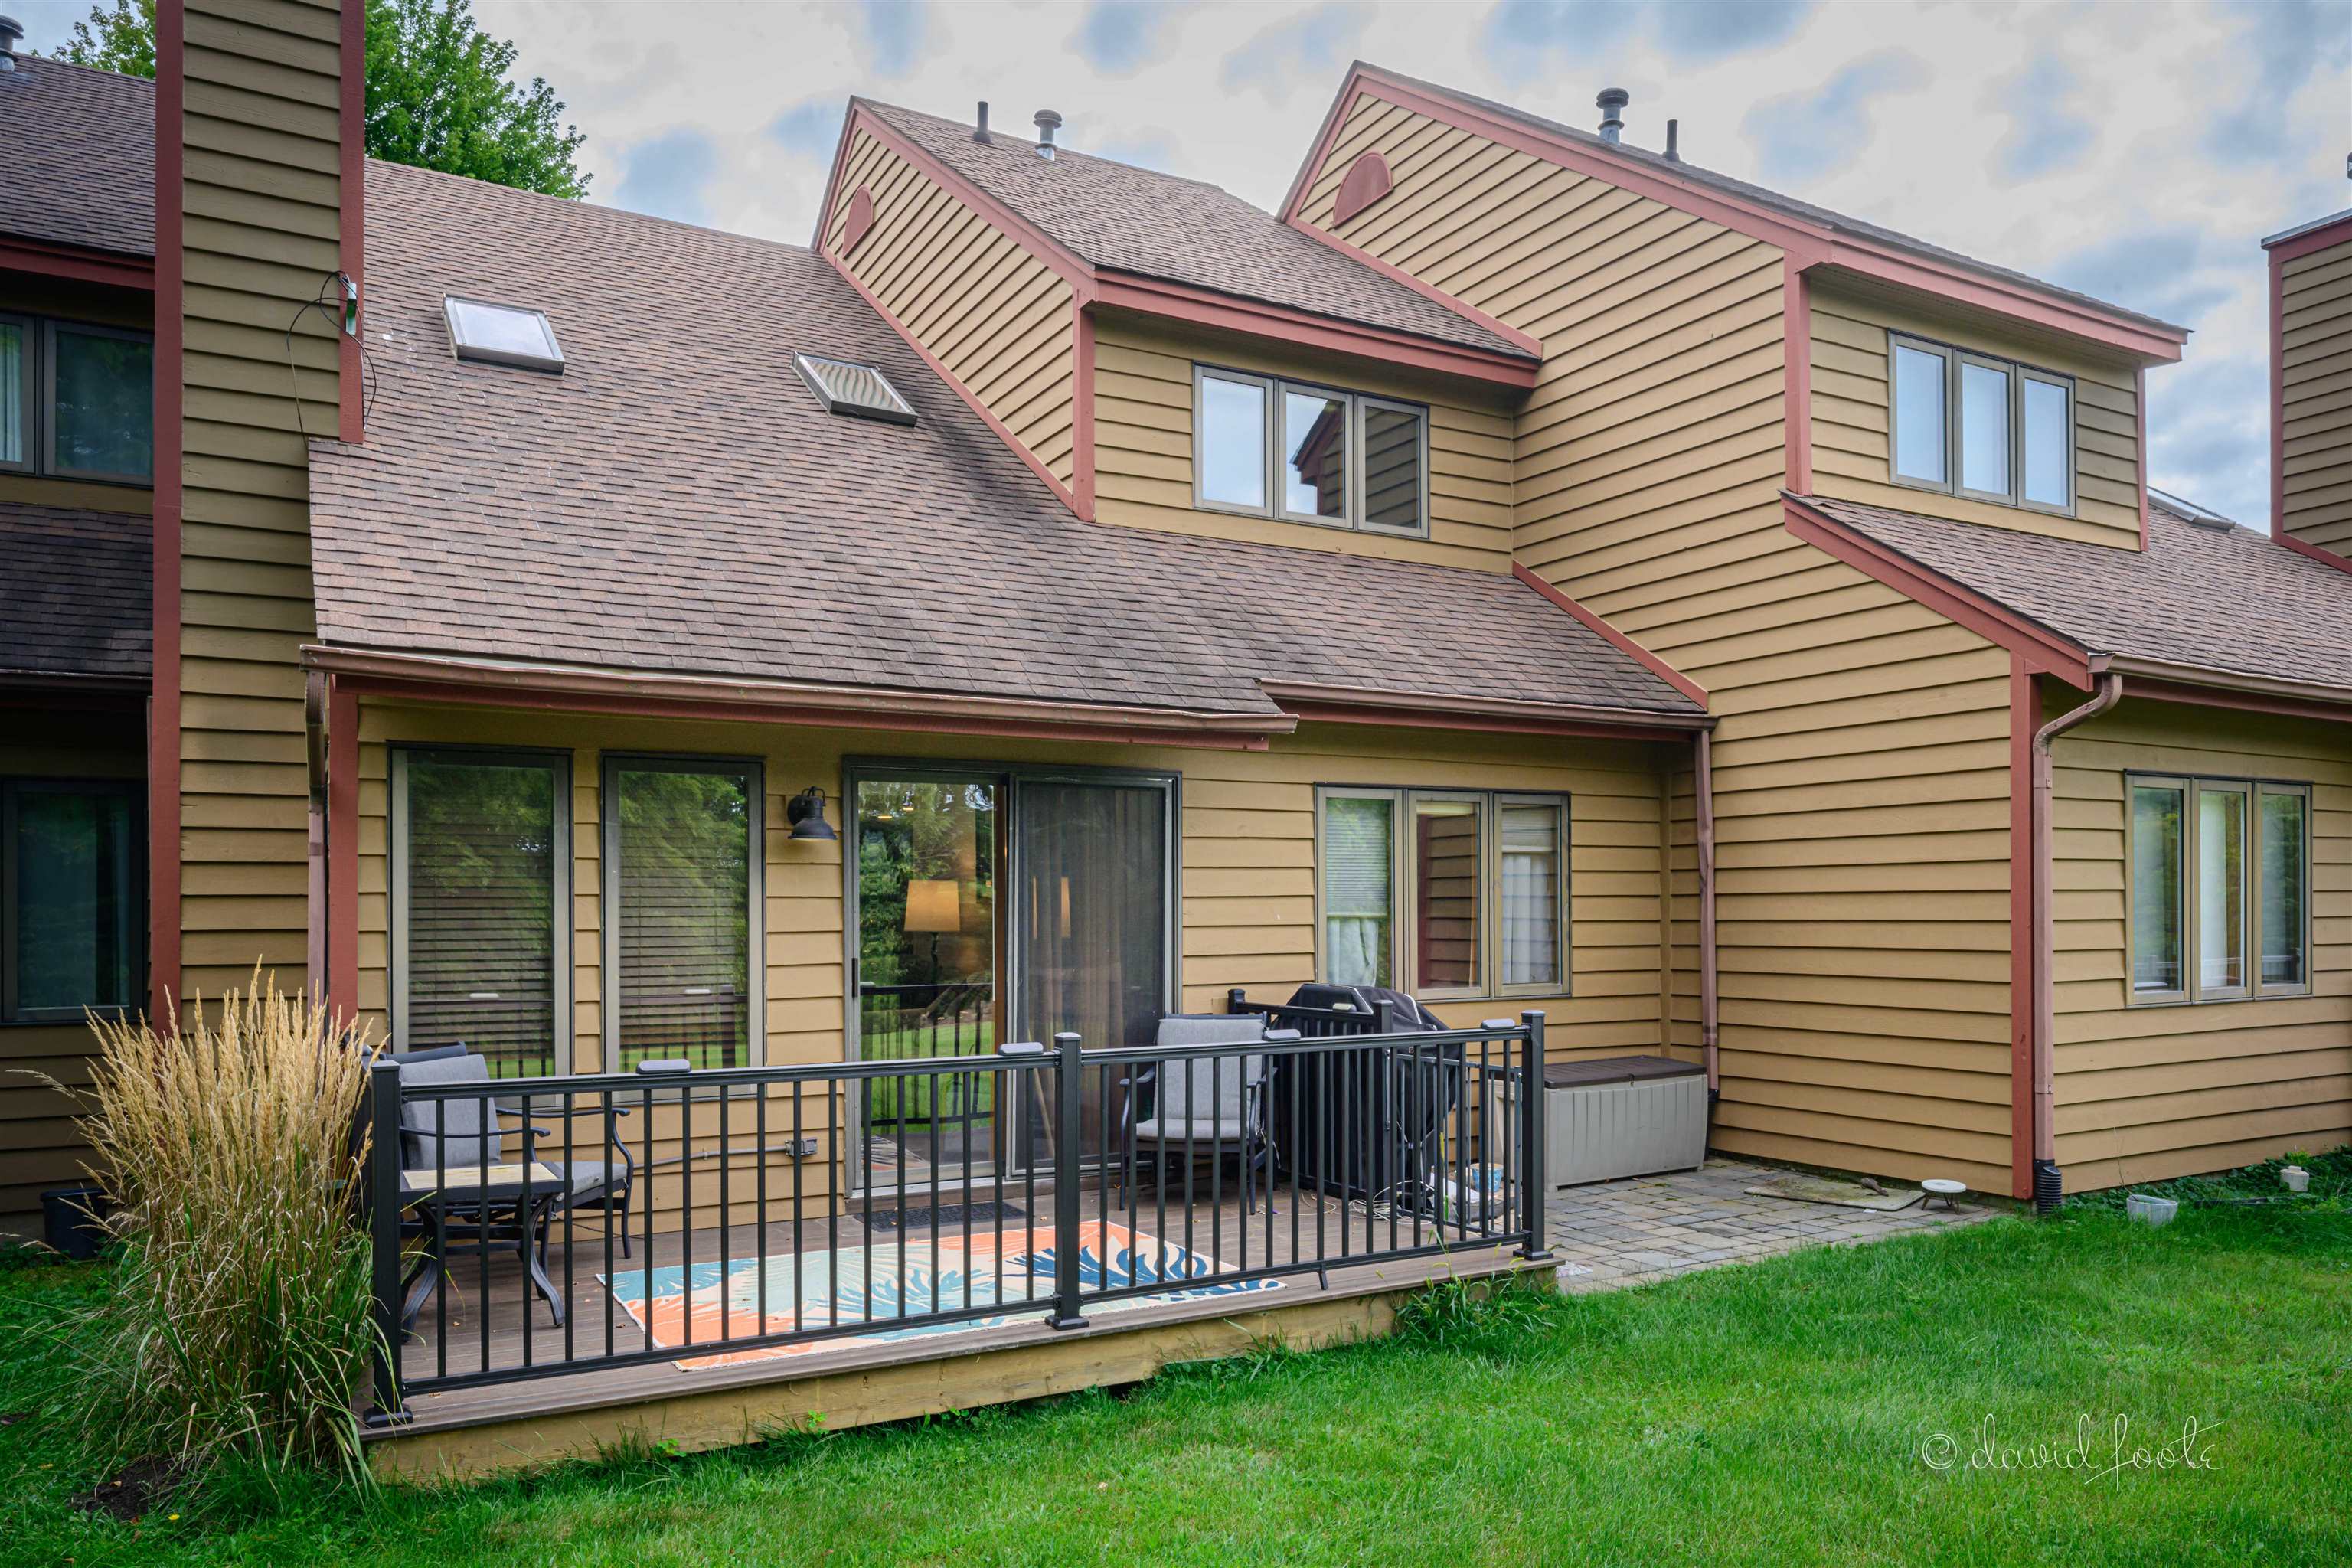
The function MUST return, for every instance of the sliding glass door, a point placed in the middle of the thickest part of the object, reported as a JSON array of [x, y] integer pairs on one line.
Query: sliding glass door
[[1084, 943]]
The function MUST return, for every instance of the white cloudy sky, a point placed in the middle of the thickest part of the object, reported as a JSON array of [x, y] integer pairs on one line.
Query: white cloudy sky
[[2136, 150]]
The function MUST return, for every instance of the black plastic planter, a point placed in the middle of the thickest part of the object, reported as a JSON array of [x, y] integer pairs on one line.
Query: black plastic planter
[[72, 1220]]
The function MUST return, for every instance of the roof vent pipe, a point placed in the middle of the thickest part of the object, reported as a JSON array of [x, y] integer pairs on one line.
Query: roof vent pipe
[[1047, 123], [11, 33], [1674, 141], [979, 131], [1611, 104]]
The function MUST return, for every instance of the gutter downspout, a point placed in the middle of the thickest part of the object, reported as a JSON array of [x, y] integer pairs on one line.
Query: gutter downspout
[[2048, 1185], [314, 726], [1703, 790]]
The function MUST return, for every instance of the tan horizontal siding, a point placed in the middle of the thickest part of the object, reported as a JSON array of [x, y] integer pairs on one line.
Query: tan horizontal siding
[[1851, 403], [1000, 319], [260, 193], [1861, 754], [2314, 368], [1143, 446], [2147, 1092]]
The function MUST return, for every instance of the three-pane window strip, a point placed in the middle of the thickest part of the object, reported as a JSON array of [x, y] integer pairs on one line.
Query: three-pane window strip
[[2219, 888], [77, 400], [1443, 892], [1986, 428], [1286, 449]]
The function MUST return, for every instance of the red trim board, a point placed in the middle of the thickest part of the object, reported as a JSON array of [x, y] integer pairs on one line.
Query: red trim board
[[1796, 374], [1617, 639], [163, 722], [2024, 720], [2139, 445], [51, 260], [350, 212], [1808, 242], [2040, 648], [2303, 547]]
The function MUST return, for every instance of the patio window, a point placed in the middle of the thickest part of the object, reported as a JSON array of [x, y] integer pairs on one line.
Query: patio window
[[480, 895], [1443, 892], [1986, 428], [682, 885], [76, 401], [72, 909], [2219, 877], [1271, 447]]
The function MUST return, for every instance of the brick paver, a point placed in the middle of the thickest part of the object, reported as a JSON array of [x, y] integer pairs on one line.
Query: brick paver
[[1653, 1228]]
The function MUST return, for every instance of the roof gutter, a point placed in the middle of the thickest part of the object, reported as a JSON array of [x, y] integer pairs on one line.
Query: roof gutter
[[2309, 697], [593, 689], [2048, 1185], [1356, 705]]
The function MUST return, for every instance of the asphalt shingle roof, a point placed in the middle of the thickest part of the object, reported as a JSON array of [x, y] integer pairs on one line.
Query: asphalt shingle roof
[[2230, 601], [1127, 219], [78, 152], [676, 501], [1682, 169], [78, 594]]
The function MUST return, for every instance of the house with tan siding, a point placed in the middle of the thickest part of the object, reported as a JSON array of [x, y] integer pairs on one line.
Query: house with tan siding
[[1526, 572]]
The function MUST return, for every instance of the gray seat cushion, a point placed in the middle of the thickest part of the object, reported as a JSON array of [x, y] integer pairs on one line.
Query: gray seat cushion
[[1198, 1129], [450, 1134]]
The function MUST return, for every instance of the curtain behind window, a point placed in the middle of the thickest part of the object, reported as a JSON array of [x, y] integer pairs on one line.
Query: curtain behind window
[[685, 947], [480, 865], [1531, 877], [1359, 890]]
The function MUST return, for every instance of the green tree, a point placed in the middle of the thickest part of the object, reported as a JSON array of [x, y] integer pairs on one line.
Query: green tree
[[438, 95]]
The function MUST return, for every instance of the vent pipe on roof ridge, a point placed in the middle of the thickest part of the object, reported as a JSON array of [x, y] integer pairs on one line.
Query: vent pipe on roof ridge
[[1047, 122], [1674, 141], [979, 131], [1611, 104], [11, 33]]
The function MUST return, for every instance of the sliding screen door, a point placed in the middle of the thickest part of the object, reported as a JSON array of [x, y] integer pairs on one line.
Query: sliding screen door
[[682, 882], [481, 857]]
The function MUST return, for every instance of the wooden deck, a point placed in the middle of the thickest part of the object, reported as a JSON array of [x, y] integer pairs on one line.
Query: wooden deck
[[862, 1377]]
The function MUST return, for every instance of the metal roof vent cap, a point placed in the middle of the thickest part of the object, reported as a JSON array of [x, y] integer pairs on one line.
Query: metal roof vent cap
[[979, 131], [11, 33], [1047, 123], [1611, 104]]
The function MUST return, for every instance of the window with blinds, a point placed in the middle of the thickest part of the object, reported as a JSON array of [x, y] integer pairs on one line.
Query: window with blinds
[[480, 865], [682, 882], [1444, 893]]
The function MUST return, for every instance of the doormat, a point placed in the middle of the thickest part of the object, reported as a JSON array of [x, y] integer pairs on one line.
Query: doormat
[[946, 1217], [840, 1287], [1833, 1190]]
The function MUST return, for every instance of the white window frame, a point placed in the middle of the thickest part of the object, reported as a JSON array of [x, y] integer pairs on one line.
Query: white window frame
[[2192, 989], [1403, 920], [1273, 452], [1954, 359], [396, 880], [608, 813]]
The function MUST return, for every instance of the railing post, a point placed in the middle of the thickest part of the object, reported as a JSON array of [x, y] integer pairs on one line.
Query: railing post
[[1069, 1101], [1538, 1249], [386, 1402]]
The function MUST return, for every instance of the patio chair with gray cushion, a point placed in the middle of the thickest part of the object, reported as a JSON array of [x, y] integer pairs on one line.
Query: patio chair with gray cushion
[[1185, 1108]]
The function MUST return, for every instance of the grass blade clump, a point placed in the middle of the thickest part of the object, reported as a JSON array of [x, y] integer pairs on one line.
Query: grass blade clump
[[237, 1324]]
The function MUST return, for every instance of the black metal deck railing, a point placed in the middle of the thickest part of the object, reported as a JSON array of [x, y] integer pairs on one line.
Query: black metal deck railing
[[562, 1226]]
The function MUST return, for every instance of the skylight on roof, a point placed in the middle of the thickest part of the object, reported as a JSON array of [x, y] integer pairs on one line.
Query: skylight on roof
[[502, 334], [858, 390]]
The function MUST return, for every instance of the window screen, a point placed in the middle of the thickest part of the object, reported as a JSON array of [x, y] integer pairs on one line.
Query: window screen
[[480, 855], [74, 914], [682, 837], [1232, 442], [1448, 928], [1984, 429], [2157, 858], [1395, 458], [2285, 874], [1314, 466], [15, 408], [1360, 890], [1919, 415], [1531, 893]]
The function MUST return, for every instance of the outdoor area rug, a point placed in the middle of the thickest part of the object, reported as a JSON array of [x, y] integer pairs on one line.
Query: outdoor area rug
[[868, 1284]]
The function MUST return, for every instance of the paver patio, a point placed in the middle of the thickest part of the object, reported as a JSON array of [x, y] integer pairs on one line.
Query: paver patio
[[1651, 1227]]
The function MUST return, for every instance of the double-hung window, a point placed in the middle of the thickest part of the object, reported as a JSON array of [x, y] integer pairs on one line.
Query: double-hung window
[[481, 905], [76, 401], [72, 901], [682, 902], [1303, 453], [1443, 892], [1986, 428], [2220, 888]]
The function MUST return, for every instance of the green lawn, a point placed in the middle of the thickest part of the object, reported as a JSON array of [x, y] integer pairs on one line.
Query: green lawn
[[1777, 1414]]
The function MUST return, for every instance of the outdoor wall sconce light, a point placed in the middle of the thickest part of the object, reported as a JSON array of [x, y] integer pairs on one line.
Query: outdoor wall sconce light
[[805, 812]]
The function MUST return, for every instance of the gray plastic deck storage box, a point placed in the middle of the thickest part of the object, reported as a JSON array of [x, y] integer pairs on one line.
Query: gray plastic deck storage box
[[1623, 1116]]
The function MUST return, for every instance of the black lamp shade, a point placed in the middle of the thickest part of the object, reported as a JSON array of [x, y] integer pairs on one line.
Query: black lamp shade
[[805, 812]]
